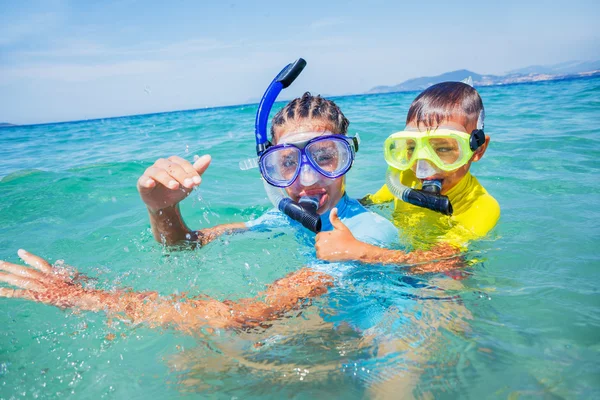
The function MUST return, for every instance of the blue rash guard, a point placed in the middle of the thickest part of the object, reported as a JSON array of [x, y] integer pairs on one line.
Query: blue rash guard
[[357, 285], [365, 225], [379, 302]]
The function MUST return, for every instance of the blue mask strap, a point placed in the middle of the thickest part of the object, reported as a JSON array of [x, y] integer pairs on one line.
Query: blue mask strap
[[281, 81]]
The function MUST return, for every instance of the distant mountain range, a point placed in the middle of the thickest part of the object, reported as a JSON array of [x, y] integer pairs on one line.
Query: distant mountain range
[[534, 73], [5, 124]]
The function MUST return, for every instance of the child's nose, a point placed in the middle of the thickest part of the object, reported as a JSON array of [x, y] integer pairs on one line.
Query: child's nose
[[425, 169], [308, 176]]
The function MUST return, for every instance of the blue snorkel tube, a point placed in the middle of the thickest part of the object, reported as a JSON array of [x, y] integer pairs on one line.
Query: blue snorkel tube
[[281, 81], [305, 211]]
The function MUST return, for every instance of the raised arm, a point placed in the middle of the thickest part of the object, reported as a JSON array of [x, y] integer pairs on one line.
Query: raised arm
[[162, 187], [46, 284]]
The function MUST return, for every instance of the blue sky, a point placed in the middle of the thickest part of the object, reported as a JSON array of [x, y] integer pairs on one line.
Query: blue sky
[[62, 60]]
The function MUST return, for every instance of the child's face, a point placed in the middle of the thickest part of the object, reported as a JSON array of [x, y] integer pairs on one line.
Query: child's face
[[329, 190], [451, 179]]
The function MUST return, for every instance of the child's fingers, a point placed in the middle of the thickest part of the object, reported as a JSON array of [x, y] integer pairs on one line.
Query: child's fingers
[[176, 172], [145, 183], [16, 293], [20, 270], [202, 163], [20, 282], [36, 262], [161, 176], [335, 220], [190, 172]]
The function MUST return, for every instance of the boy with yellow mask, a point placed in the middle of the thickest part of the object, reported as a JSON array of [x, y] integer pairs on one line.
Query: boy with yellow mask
[[438, 204]]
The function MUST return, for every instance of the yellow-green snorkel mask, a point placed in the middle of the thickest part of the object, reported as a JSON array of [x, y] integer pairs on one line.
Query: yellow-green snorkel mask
[[446, 149]]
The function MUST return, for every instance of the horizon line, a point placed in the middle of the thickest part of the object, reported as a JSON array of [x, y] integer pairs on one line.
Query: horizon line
[[564, 78]]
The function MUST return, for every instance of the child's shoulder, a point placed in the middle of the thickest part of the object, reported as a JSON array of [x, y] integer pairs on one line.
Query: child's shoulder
[[368, 226], [483, 211], [484, 198]]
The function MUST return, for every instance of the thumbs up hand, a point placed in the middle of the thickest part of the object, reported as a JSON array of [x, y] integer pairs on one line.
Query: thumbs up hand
[[338, 244]]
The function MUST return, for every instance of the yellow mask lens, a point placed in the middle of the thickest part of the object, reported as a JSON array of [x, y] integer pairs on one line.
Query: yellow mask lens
[[446, 149]]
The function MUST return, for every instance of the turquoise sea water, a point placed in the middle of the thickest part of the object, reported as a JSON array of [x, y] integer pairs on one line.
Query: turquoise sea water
[[523, 324]]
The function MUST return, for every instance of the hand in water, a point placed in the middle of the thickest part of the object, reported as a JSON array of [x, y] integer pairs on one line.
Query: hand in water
[[170, 180], [45, 284], [338, 244], [55, 286]]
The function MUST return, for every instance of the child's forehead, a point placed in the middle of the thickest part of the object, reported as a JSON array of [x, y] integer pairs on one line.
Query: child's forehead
[[456, 123], [301, 128]]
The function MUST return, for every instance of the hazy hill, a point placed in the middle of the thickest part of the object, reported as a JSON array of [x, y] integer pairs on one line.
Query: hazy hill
[[528, 74], [569, 67]]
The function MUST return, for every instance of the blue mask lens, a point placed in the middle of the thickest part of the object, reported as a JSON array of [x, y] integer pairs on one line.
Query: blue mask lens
[[331, 156]]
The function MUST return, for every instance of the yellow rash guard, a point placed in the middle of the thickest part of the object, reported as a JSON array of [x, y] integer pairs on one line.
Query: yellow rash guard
[[475, 214]]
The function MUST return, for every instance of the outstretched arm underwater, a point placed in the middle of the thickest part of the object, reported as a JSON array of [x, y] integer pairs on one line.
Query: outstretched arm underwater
[[341, 245], [54, 286], [163, 186]]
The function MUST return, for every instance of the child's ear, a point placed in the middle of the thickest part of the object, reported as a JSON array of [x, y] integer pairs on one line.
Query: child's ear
[[481, 150]]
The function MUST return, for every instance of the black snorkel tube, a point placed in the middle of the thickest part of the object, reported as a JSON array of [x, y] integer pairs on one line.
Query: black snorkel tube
[[429, 196], [304, 211]]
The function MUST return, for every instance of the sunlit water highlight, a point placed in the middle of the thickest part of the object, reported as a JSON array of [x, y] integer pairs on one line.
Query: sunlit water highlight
[[523, 324]]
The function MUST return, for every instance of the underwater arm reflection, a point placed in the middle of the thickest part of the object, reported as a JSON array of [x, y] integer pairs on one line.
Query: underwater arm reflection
[[54, 286]]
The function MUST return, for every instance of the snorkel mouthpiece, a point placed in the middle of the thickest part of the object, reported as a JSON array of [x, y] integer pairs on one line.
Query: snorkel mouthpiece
[[305, 212], [432, 186], [429, 197]]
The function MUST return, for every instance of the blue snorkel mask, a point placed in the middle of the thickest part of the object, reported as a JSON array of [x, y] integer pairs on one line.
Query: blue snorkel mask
[[305, 210]]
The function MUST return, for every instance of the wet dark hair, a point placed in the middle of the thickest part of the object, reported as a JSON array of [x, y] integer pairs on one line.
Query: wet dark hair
[[312, 107], [443, 101]]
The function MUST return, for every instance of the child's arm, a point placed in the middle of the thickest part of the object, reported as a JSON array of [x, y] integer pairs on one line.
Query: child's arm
[[169, 228], [46, 284], [162, 187], [341, 245]]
